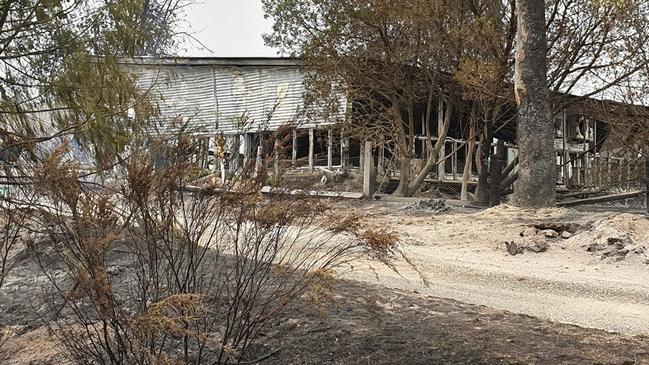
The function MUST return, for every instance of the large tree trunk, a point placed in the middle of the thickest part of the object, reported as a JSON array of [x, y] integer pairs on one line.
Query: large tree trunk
[[404, 177], [536, 183]]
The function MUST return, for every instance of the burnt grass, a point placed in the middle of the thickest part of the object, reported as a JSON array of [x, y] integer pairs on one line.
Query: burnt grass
[[370, 324]]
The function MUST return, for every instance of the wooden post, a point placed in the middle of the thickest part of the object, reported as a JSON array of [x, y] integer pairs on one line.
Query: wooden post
[[587, 135], [596, 169], [496, 173], [566, 157], [368, 171], [258, 159], [247, 149], [344, 151], [311, 147], [578, 168], [232, 146], [441, 167], [294, 149], [454, 160], [216, 157], [206, 152], [330, 148], [646, 176], [223, 175], [276, 154], [381, 148]]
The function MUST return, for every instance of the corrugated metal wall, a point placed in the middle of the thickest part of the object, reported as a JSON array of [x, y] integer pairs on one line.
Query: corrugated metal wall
[[231, 99]]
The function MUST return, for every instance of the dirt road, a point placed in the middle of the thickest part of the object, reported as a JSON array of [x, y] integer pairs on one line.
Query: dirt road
[[462, 256]]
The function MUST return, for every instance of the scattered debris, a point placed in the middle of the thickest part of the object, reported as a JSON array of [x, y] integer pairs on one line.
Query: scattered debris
[[616, 238], [434, 205], [595, 247], [536, 246], [559, 227], [601, 199], [550, 233], [530, 232]]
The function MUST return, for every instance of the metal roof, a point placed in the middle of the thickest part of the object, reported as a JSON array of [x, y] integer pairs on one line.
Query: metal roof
[[213, 61]]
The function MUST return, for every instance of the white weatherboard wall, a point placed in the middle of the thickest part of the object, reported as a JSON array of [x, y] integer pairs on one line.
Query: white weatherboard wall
[[227, 98]]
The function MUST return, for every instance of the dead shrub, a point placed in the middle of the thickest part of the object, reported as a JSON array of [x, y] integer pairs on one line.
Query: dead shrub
[[201, 272], [380, 241], [349, 223], [322, 293]]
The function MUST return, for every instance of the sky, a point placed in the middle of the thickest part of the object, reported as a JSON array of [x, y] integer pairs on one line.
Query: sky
[[228, 28]]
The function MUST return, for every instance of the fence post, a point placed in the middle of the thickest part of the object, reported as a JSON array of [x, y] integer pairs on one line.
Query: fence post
[[311, 147], [646, 175], [368, 170], [344, 152], [330, 148], [258, 159], [441, 167], [294, 149]]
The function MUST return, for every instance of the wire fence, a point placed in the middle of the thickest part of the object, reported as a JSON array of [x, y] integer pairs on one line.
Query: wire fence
[[324, 162]]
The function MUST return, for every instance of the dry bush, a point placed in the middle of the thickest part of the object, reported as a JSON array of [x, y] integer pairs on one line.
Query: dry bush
[[381, 241], [12, 223], [158, 272]]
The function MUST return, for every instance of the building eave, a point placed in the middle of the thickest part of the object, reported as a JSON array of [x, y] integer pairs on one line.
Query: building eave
[[212, 61]]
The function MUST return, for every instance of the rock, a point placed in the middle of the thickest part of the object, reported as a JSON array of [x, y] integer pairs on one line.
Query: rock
[[537, 246], [513, 248], [618, 242], [614, 255], [559, 227], [550, 233], [594, 247], [566, 234], [530, 232]]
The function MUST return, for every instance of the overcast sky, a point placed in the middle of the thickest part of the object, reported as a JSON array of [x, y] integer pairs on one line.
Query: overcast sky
[[229, 28]]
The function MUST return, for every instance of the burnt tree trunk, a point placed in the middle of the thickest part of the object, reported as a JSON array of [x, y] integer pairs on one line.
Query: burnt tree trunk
[[482, 192], [536, 182], [404, 177]]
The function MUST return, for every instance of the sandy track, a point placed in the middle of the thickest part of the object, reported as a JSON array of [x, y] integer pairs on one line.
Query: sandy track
[[461, 256]]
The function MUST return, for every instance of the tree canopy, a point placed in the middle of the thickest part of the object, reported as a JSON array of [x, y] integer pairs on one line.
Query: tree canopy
[[58, 68], [408, 53]]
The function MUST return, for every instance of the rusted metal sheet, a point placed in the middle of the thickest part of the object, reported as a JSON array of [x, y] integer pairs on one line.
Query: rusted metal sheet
[[229, 98]]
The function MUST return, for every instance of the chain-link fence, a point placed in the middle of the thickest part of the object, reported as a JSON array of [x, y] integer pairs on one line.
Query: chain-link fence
[[323, 161], [475, 173]]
